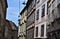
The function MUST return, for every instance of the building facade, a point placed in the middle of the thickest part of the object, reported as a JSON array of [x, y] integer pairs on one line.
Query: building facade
[[47, 25], [19, 32], [43, 19], [40, 19], [7, 32], [22, 23], [53, 30], [30, 19], [14, 30], [3, 9], [10, 30]]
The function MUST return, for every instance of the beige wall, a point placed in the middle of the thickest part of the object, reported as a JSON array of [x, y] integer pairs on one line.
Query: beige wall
[[23, 26]]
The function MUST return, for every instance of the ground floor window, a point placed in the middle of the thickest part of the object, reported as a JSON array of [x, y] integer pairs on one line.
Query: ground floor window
[[36, 31], [42, 30]]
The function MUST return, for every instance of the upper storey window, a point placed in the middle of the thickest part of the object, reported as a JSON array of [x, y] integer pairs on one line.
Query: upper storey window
[[53, 4], [43, 11], [37, 15]]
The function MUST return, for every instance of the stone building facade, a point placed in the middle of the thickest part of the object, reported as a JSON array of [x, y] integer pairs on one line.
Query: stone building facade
[[30, 19], [22, 23], [53, 30], [11, 30], [14, 30], [7, 32], [3, 9], [43, 19], [40, 19]]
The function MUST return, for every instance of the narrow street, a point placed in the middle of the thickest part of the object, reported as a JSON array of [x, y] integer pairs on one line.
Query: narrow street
[[29, 19]]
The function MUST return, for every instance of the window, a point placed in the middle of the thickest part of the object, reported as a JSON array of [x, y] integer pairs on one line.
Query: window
[[37, 17], [49, 10], [59, 9], [38, 1], [43, 11], [36, 31], [53, 12], [30, 33], [52, 24], [53, 5], [48, 26], [33, 3], [48, 7], [42, 30]]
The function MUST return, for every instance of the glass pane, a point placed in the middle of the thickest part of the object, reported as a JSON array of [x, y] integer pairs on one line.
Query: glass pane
[[42, 30], [36, 31]]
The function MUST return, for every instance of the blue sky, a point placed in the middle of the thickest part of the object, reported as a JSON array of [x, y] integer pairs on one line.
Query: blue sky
[[13, 10]]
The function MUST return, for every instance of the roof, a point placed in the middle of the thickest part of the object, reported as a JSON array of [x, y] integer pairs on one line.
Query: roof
[[13, 26], [27, 4], [8, 23], [23, 10]]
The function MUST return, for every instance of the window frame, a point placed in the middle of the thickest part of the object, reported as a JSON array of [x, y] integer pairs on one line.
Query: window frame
[[43, 11], [42, 31], [36, 31], [37, 15]]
